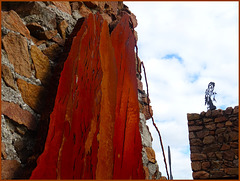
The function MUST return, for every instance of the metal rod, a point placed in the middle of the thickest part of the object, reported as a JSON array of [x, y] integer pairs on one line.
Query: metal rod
[[169, 160]]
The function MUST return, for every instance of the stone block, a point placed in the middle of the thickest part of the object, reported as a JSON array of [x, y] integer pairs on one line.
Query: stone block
[[200, 175], [193, 116], [198, 156]]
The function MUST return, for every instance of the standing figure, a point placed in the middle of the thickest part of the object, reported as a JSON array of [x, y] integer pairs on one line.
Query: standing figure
[[208, 93]]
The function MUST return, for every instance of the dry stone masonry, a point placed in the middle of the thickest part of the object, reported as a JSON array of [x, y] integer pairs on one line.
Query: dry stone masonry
[[36, 39], [213, 139]]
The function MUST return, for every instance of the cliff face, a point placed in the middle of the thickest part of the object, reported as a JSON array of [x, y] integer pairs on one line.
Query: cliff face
[[59, 59], [214, 144]]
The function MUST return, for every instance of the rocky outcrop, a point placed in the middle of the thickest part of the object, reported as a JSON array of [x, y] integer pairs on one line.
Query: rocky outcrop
[[93, 131], [36, 38], [213, 139]]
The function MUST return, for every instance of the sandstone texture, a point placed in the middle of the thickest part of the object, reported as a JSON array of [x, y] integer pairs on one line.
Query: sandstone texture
[[36, 38], [213, 139]]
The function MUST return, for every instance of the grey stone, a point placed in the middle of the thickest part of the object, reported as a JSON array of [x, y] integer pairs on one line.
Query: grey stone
[[76, 15], [152, 168], [64, 16], [8, 136], [144, 157]]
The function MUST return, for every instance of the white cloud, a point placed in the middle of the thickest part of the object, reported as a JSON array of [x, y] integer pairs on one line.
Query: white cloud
[[205, 36]]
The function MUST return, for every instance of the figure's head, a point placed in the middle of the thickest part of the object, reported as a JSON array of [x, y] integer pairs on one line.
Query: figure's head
[[211, 86]]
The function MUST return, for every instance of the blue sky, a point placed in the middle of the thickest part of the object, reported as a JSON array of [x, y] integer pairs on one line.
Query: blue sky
[[184, 46]]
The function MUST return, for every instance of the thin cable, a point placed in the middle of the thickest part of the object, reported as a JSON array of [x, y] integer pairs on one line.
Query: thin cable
[[160, 138]]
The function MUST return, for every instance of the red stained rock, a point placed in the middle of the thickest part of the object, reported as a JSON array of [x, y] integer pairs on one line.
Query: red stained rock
[[17, 52], [94, 127], [13, 22], [17, 114], [64, 6]]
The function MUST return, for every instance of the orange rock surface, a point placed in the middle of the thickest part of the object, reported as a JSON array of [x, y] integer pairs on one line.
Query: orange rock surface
[[94, 127]]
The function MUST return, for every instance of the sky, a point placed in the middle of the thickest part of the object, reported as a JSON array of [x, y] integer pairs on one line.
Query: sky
[[184, 46]]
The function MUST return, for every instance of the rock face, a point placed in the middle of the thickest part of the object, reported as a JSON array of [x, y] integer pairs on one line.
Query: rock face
[[213, 139], [37, 38]]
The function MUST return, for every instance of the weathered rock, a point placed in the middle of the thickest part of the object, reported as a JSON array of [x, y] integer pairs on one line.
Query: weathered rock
[[191, 117], [211, 148], [52, 52], [235, 111], [205, 165], [41, 64], [195, 128], [58, 40], [35, 29], [106, 17], [17, 114], [201, 174], [33, 95], [17, 52], [37, 11], [208, 139], [150, 154], [146, 171], [196, 142], [91, 4], [195, 149], [8, 76], [211, 126], [216, 164], [233, 136], [202, 134], [9, 169], [134, 20], [74, 5], [63, 6], [13, 22], [207, 120], [216, 173], [196, 166], [229, 110], [47, 35], [62, 28], [228, 155], [217, 113], [225, 147], [198, 156], [3, 151], [220, 119], [84, 11], [232, 171], [191, 135]]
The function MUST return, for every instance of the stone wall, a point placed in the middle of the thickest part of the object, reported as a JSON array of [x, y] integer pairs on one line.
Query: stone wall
[[213, 139], [36, 38]]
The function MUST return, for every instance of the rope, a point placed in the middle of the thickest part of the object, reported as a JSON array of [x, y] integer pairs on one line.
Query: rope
[[160, 138]]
